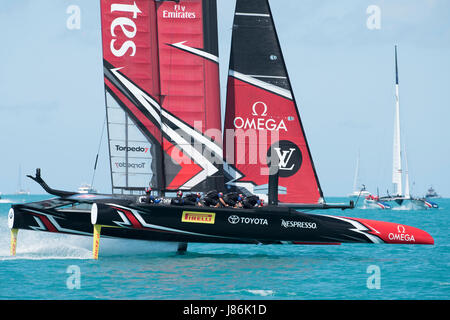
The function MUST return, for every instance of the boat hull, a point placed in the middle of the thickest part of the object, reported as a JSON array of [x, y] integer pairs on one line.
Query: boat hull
[[410, 203], [375, 204], [267, 225]]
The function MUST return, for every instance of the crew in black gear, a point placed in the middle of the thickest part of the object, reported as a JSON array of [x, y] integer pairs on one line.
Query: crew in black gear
[[192, 199], [211, 199], [221, 202], [233, 199], [251, 201], [150, 198], [178, 201]]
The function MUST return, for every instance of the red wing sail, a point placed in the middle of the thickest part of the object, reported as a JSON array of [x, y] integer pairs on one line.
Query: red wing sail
[[130, 48], [162, 93], [262, 113], [189, 70]]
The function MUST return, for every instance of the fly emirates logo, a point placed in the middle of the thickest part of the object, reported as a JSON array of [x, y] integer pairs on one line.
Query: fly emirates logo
[[124, 25], [179, 12]]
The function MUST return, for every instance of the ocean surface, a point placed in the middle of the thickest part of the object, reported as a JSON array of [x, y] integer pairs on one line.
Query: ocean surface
[[49, 266]]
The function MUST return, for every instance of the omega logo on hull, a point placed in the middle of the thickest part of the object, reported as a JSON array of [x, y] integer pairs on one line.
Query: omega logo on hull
[[401, 235]]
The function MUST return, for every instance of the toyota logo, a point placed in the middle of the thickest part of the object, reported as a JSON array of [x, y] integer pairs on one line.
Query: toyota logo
[[233, 219]]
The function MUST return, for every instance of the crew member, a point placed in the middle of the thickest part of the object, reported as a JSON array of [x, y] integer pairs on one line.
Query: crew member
[[178, 201], [192, 199], [211, 199], [233, 199], [251, 201], [199, 199], [150, 198], [221, 202], [260, 203]]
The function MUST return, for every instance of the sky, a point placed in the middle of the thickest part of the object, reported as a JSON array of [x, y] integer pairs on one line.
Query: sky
[[340, 59]]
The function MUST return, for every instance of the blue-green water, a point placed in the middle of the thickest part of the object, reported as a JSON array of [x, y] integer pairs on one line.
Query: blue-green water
[[49, 266]]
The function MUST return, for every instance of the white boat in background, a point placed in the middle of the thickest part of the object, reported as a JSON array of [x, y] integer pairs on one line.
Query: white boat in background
[[431, 193], [397, 171], [359, 196], [373, 202], [4, 200], [20, 190], [23, 192], [358, 192], [86, 188], [362, 193], [401, 196]]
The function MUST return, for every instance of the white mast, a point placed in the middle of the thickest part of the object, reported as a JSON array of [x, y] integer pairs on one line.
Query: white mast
[[355, 180], [397, 160]]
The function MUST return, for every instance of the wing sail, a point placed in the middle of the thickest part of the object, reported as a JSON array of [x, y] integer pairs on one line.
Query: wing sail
[[262, 112]]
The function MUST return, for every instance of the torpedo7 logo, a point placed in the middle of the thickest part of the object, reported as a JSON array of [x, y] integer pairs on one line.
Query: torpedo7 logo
[[131, 149]]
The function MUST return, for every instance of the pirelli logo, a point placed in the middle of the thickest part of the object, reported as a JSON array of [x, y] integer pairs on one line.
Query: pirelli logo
[[198, 217]]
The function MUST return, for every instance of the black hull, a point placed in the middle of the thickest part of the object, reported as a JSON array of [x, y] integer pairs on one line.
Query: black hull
[[124, 218]]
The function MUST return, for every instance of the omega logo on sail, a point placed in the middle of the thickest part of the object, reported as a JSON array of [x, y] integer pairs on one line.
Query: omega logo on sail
[[127, 26], [259, 122]]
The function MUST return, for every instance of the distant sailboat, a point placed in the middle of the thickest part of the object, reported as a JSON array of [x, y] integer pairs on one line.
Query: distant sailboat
[[401, 192], [358, 192], [397, 174], [20, 190]]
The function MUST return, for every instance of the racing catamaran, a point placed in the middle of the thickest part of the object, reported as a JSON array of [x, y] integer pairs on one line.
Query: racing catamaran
[[164, 129], [401, 194]]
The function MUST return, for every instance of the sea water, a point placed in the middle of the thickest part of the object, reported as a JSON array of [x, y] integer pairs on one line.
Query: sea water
[[52, 266]]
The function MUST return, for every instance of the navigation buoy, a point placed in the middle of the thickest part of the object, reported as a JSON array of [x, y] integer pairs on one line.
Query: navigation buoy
[[96, 244]]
